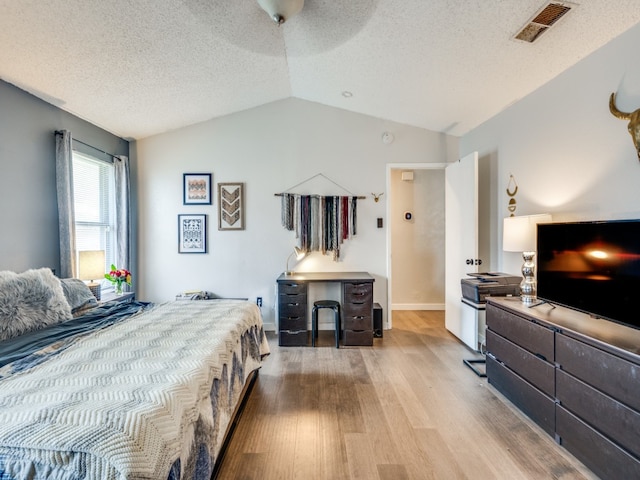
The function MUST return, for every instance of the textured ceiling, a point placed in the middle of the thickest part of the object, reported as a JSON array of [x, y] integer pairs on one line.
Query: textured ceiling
[[138, 68]]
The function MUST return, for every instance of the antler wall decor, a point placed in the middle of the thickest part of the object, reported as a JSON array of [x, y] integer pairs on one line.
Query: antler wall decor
[[634, 121]]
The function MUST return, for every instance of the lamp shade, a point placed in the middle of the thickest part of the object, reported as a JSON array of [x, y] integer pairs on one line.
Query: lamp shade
[[519, 233], [91, 264], [281, 10]]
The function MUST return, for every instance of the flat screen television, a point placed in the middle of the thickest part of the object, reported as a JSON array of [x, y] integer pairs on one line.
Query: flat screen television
[[593, 267]]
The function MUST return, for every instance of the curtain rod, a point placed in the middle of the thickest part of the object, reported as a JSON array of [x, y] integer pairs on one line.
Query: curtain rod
[[58, 132], [326, 178], [360, 197]]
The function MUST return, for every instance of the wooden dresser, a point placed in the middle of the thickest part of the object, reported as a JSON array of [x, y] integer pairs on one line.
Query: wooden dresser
[[576, 376]]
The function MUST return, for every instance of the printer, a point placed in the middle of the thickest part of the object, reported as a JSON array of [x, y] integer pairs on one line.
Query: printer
[[480, 285]]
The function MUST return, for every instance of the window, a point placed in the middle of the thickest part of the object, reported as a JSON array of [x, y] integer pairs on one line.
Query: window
[[94, 203]]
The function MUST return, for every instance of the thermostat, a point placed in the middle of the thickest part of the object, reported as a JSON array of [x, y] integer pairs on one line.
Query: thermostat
[[408, 215]]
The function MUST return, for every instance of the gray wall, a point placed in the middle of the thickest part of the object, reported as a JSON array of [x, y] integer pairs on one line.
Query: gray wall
[[28, 203], [418, 245]]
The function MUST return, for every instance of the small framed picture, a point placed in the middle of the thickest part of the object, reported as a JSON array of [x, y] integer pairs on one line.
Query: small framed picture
[[196, 189], [192, 234], [231, 206]]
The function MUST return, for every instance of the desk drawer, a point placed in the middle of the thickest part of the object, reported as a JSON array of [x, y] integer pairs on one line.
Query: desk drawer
[[357, 338], [293, 306], [292, 339], [358, 293], [292, 298], [292, 287], [292, 323], [357, 322], [357, 310]]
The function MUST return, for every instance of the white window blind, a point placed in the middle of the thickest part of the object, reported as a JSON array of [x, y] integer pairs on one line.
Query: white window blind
[[94, 202]]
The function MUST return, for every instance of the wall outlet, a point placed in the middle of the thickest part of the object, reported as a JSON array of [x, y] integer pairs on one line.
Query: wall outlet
[[259, 301]]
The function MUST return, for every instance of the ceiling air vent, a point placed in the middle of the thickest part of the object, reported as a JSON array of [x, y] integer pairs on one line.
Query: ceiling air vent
[[546, 17]]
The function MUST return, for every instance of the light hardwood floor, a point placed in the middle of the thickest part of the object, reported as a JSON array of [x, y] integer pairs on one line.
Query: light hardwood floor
[[406, 408]]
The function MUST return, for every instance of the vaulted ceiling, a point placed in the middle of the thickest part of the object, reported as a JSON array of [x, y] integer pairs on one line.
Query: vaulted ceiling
[[143, 67]]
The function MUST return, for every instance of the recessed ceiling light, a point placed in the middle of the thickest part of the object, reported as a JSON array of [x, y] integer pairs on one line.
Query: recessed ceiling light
[[347, 94]]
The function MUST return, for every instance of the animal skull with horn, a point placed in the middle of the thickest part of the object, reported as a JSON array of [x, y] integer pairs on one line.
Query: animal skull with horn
[[634, 121]]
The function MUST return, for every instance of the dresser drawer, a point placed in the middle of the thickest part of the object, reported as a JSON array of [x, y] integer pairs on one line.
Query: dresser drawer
[[357, 323], [534, 403], [535, 338], [613, 419], [357, 338], [614, 376], [533, 369], [601, 455]]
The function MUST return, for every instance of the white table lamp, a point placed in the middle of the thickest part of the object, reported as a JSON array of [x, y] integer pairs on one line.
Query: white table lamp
[[519, 235], [91, 267]]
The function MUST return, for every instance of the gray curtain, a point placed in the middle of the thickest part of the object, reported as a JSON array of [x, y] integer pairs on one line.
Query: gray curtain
[[66, 211], [123, 241]]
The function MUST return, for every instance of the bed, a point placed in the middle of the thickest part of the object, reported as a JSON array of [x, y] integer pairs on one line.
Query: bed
[[118, 390]]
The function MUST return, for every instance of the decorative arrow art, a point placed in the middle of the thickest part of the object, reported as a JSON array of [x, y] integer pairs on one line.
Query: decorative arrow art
[[231, 206]]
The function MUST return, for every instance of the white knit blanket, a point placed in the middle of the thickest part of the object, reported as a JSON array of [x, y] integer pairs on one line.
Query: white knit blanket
[[131, 401]]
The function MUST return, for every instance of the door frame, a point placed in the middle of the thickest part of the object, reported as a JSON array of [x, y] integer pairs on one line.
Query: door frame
[[390, 167]]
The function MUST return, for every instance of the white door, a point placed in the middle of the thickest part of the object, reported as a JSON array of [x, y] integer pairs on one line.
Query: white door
[[461, 249]]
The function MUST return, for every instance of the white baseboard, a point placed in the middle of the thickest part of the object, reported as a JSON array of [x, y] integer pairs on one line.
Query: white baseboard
[[417, 306]]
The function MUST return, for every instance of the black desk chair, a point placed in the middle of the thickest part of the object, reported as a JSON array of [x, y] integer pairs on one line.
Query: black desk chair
[[333, 305]]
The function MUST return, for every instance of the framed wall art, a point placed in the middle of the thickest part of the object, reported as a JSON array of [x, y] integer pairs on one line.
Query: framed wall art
[[196, 189], [192, 234], [231, 206]]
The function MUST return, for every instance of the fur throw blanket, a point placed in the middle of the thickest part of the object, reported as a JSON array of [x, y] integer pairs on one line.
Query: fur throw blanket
[[30, 301]]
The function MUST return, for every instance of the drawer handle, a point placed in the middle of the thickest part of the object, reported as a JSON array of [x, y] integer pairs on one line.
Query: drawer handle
[[293, 304], [358, 317]]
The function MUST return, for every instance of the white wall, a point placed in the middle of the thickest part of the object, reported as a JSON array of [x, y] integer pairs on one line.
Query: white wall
[[270, 149], [569, 156]]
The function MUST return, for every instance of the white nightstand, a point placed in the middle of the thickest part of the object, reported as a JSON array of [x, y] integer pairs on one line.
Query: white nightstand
[[111, 297]]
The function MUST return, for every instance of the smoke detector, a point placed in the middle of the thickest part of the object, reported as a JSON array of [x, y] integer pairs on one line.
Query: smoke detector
[[544, 19]]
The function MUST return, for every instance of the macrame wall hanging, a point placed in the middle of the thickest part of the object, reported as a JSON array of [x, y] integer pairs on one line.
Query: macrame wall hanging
[[321, 222]]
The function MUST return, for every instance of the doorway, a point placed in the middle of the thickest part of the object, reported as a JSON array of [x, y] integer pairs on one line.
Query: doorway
[[415, 237]]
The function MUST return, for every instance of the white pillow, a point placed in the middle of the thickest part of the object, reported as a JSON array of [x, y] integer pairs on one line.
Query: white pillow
[[30, 301]]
